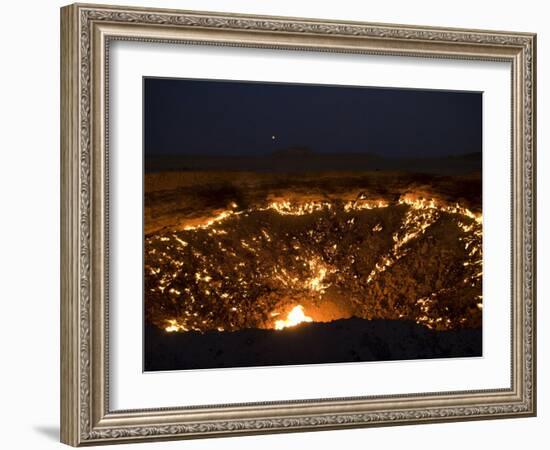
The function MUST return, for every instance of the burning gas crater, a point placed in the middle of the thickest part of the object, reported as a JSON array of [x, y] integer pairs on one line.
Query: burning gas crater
[[286, 263]]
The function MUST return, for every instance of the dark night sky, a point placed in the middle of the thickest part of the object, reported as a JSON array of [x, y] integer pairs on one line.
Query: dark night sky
[[190, 117]]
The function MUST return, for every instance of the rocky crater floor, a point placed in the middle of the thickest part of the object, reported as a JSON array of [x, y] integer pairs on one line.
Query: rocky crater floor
[[383, 265], [370, 246]]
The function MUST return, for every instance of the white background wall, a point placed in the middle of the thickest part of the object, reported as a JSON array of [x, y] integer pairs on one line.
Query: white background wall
[[29, 224]]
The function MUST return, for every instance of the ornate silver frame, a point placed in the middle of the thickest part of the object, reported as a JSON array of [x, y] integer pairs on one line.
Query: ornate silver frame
[[86, 31]]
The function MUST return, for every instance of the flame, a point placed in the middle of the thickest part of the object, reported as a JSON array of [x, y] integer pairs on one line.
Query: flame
[[298, 209], [295, 316], [316, 283], [204, 224], [422, 203], [319, 272], [174, 326], [309, 274], [364, 203]]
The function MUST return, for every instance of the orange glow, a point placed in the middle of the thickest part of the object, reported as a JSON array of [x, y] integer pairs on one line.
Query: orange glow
[[183, 273], [295, 316], [174, 326]]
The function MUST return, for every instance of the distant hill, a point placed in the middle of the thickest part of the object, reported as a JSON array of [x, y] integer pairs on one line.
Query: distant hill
[[304, 159], [293, 152], [304, 151], [474, 156]]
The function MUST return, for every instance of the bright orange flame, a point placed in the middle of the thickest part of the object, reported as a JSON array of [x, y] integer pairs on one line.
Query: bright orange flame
[[173, 326], [295, 316]]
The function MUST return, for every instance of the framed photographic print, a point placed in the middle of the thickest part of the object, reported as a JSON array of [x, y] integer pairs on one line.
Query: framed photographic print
[[275, 224]]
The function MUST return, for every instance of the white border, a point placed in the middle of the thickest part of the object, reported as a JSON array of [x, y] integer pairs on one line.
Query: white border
[[132, 389]]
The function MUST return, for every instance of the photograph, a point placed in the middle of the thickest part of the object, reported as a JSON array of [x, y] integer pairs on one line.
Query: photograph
[[291, 224], [284, 219]]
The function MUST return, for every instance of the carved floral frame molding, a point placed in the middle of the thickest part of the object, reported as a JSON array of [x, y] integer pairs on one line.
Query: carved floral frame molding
[[86, 32]]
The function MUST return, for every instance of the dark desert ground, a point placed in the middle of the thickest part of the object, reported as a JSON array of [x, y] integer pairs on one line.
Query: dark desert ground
[[303, 224]]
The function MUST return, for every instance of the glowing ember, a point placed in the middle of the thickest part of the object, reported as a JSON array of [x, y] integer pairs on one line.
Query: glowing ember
[[295, 316], [174, 326], [409, 258]]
